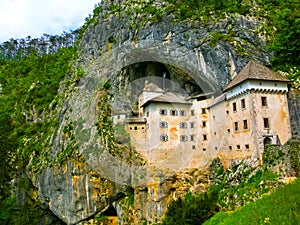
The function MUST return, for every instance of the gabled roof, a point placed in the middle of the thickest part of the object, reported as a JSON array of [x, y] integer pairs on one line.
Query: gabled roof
[[218, 100], [168, 97], [255, 71]]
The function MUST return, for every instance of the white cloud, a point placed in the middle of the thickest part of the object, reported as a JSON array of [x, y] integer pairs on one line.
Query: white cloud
[[21, 18]]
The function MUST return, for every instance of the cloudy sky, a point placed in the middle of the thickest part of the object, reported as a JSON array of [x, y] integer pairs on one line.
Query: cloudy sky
[[21, 18]]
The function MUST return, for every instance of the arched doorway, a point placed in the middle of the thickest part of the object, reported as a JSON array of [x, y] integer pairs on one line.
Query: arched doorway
[[267, 141]]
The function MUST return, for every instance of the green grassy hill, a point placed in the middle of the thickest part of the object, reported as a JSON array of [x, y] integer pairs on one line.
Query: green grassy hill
[[281, 207]]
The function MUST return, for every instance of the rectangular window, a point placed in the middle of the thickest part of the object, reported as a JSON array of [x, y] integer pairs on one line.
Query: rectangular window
[[245, 124], [247, 146], [236, 126], [192, 138], [192, 113], [204, 137], [243, 103], [228, 130], [163, 125], [182, 113], [266, 123], [193, 147], [264, 101], [230, 147], [192, 124], [234, 107], [204, 124], [164, 137], [173, 113], [147, 113], [238, 147], [203, 111], [183, 125], [183, 138], [163, 112]]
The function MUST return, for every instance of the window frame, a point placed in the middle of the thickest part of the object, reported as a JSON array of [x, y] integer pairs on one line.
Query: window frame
[[163, 124], [243, 103], [234, 107], [266, 121], [164, 138], [245, 124], [236, 126], [264, 101], [163, 112]]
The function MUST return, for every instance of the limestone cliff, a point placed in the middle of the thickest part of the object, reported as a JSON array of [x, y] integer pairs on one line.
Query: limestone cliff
[[121, 47]]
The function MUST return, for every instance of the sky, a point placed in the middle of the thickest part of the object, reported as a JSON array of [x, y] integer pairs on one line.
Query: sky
[[22, 18]]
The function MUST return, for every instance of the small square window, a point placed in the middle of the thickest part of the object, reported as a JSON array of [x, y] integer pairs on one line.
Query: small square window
[[173, 113], [227, 112], [163, 125], [163, 112], [192, 124], [135, 128], [247, 146], [183, 138], [183, 125], [203, 110], [164, 137], [228, 130], [193, 147], [230, 147], [204, 124], [238, 147], [182, 113]]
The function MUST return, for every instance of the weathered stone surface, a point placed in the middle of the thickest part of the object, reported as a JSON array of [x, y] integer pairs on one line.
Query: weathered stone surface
[[79, 189]]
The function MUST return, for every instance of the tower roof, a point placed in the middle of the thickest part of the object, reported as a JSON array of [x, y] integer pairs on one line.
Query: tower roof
[[255, 71]]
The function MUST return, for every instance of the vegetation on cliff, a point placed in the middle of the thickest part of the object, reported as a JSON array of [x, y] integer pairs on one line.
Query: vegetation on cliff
[[31, 71]]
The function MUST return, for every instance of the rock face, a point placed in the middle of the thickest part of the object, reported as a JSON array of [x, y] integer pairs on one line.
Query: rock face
[[111, 49]]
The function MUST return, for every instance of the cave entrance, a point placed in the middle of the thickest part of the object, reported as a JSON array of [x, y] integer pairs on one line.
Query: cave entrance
[[111, 217]]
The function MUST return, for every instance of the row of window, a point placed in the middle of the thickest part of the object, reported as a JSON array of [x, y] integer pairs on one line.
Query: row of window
[[174, 112], [238, 147], [245, 125], [236, 125], [182, 124], [182, 138], [243, 104]]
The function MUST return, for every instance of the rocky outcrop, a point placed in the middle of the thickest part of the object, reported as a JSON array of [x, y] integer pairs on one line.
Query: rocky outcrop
[[113, 48], [294, 108]]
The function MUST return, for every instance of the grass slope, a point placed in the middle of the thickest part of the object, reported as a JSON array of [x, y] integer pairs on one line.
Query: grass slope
[[281, 207]]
